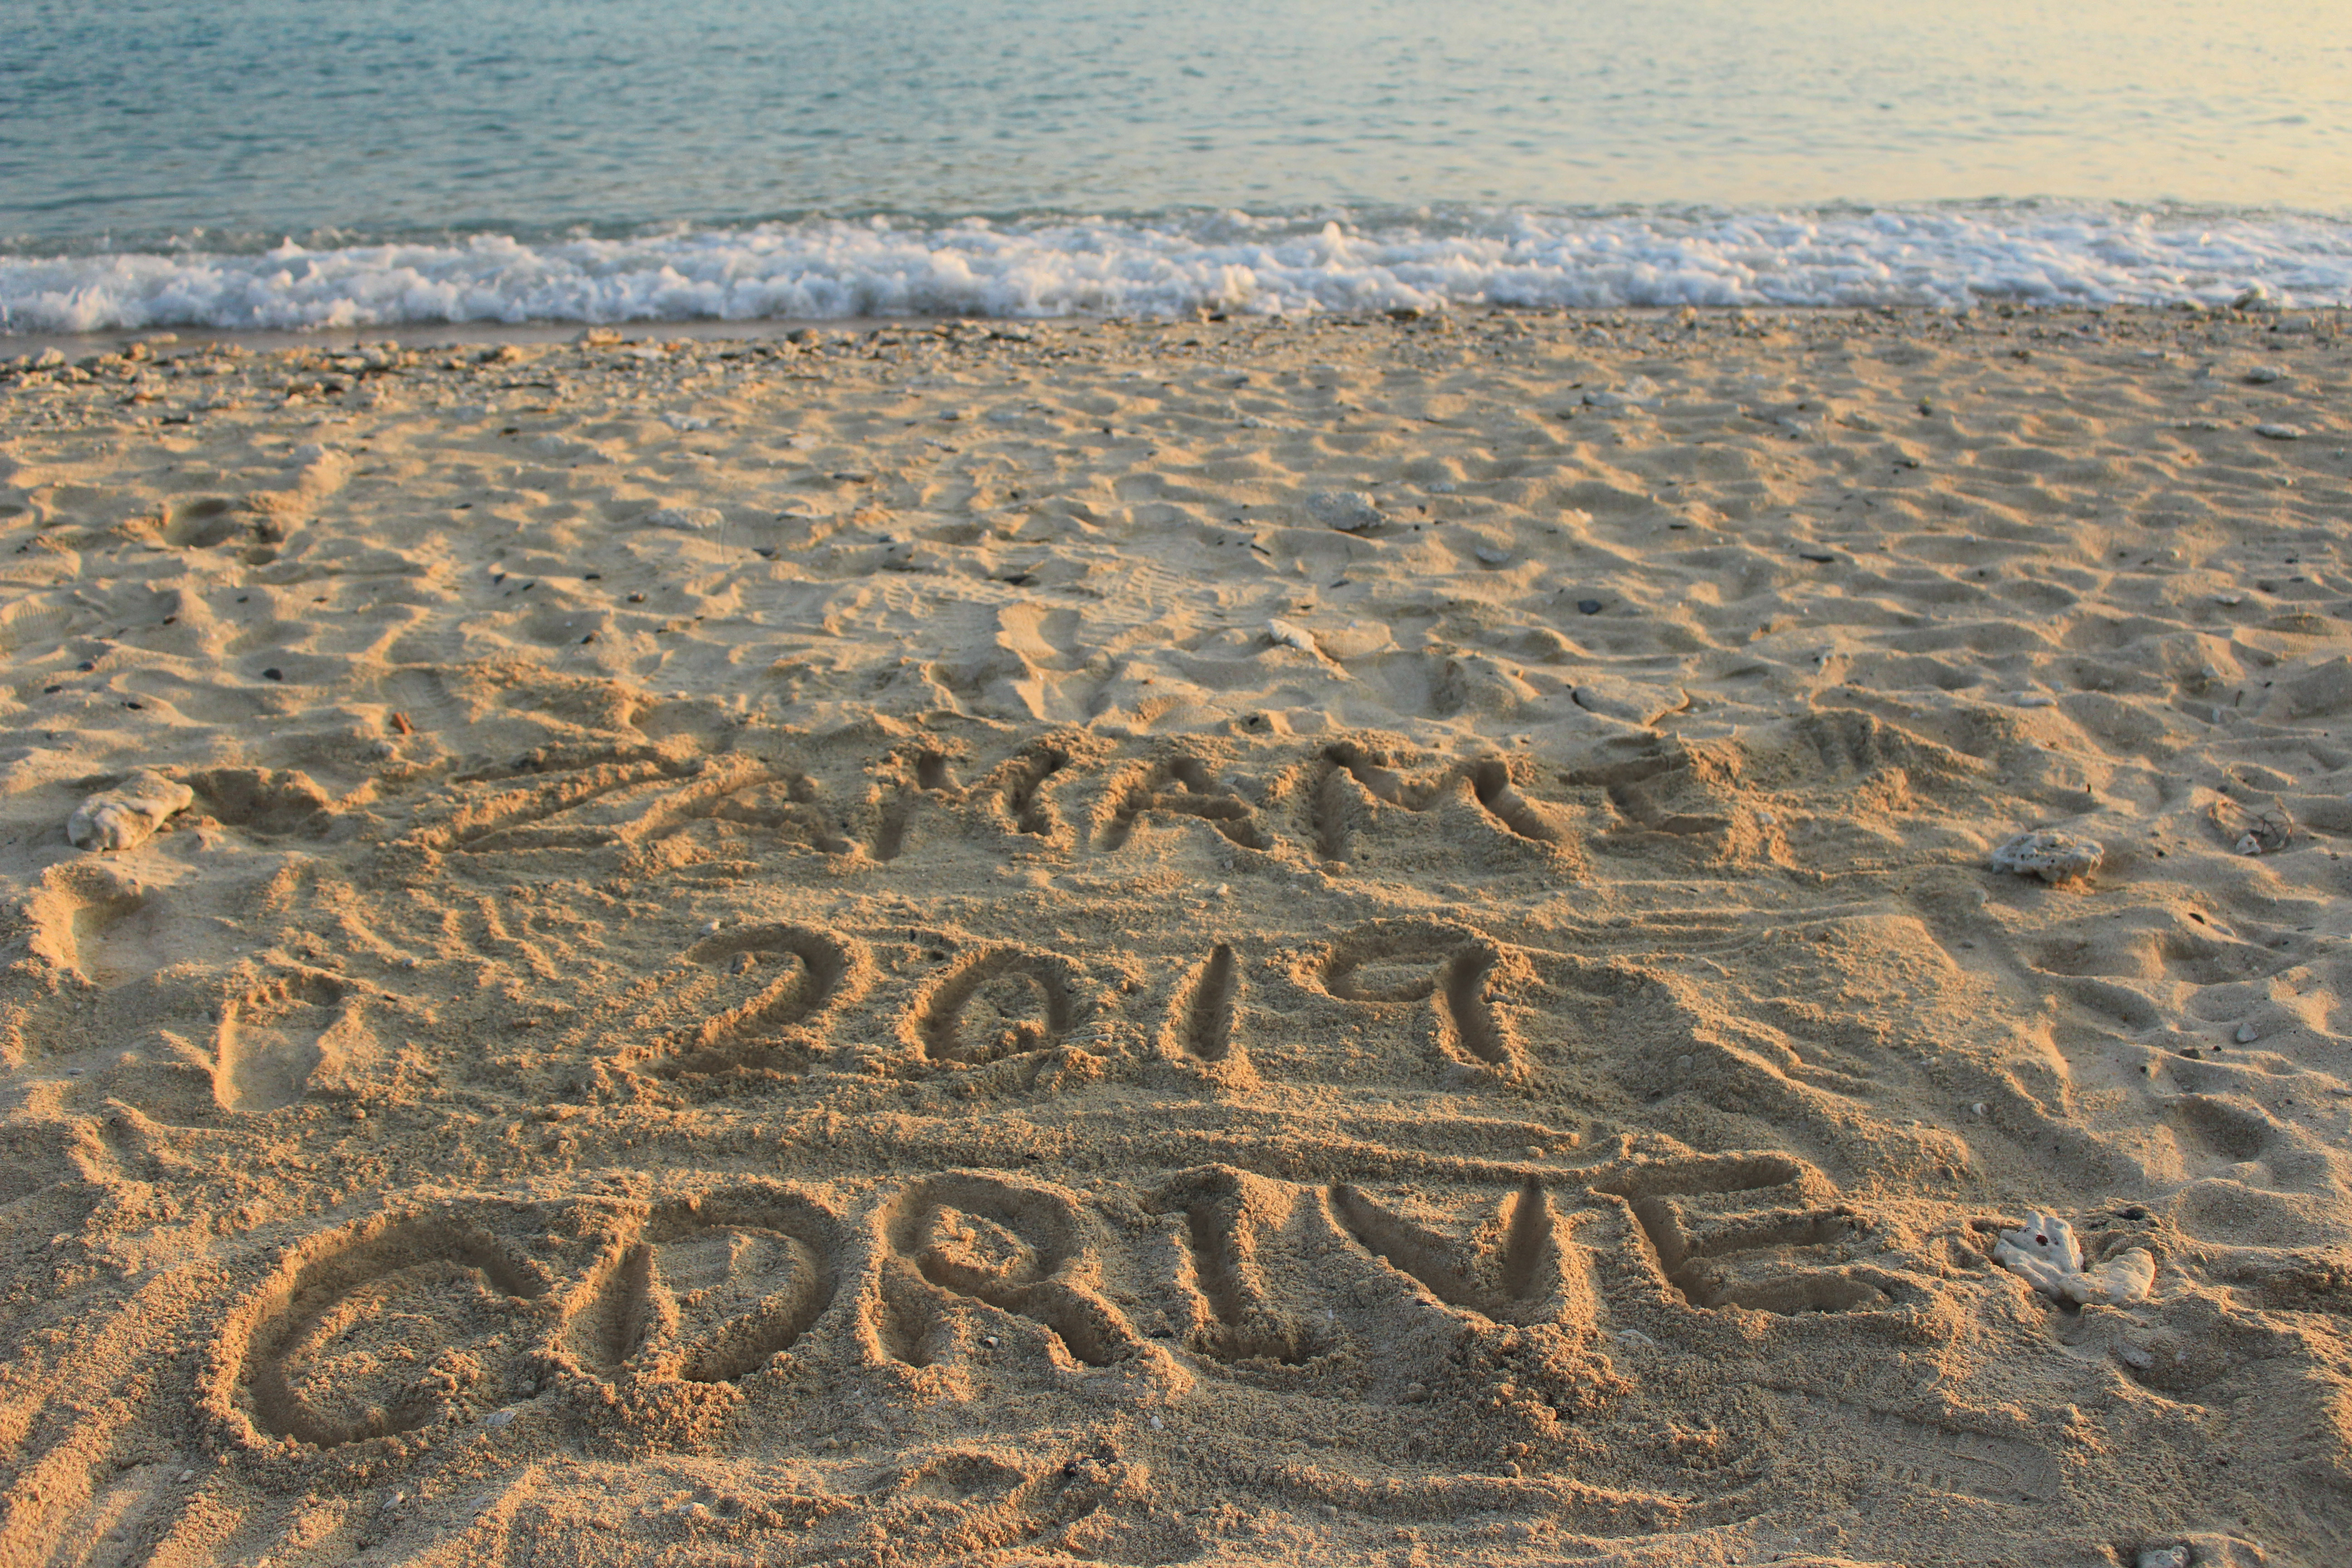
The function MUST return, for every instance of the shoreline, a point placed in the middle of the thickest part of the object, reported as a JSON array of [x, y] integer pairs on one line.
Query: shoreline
[[2325, 321]]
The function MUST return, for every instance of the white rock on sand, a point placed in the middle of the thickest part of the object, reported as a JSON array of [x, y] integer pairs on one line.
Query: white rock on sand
[[2052, 857], [1349, 512]]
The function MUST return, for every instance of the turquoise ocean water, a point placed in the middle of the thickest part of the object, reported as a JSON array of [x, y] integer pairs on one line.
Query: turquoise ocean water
[[285, 163]]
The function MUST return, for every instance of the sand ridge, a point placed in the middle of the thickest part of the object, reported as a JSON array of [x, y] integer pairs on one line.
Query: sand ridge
[[768, 960]]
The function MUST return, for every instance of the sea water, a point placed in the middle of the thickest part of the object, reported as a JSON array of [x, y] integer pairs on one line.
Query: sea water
[[346, 162]]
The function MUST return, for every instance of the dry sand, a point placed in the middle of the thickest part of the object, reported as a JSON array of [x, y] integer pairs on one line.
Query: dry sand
[[767, 960]]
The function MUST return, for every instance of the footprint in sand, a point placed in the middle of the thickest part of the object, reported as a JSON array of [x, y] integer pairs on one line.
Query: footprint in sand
[[275, 1041]]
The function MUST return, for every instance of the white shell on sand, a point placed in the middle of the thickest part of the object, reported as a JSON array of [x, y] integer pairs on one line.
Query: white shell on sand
[[128, 815], [2276, 432], [2046, 1253], [1349, 512], [687, 517], [1283, 634], [2052, 857]]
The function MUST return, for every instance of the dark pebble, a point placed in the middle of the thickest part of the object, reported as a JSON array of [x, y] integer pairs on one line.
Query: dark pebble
[[136, 707], [273, 674], [86, 666], [51, 690], [1809, 555], [1588, 607]]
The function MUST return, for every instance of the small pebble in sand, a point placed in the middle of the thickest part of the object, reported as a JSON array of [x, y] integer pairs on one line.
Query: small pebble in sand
[[2277, 432], [2052, 857], [2164, 1557], [1492, 556], [2248, 1034], [128, 815], [1588, 607], [1349, 512], [2044, 1251], [2264, 374], [2035, 699], [691, 518], [498, 1418]]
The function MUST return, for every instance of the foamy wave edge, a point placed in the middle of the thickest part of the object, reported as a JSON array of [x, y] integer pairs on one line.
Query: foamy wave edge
[[825, 268]]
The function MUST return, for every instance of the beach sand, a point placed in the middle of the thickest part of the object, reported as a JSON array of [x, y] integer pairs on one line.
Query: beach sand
[[1229, 941]]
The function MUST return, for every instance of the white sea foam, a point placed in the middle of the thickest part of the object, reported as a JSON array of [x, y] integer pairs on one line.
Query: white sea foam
[[1055, 266]]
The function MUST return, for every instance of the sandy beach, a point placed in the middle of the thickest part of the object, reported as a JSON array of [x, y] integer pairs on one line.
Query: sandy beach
[[1227, 942]]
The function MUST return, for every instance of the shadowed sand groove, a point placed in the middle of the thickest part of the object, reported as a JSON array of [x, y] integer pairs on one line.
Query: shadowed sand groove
[[1504, 1285], [1011, 1247], [439, 1282], [714, 1288], [1024, 995], [1209, 1008]]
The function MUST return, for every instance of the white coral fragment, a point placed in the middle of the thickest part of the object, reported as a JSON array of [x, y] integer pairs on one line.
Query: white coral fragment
[[128, 815], [2052, 857], [2046, 1254]]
